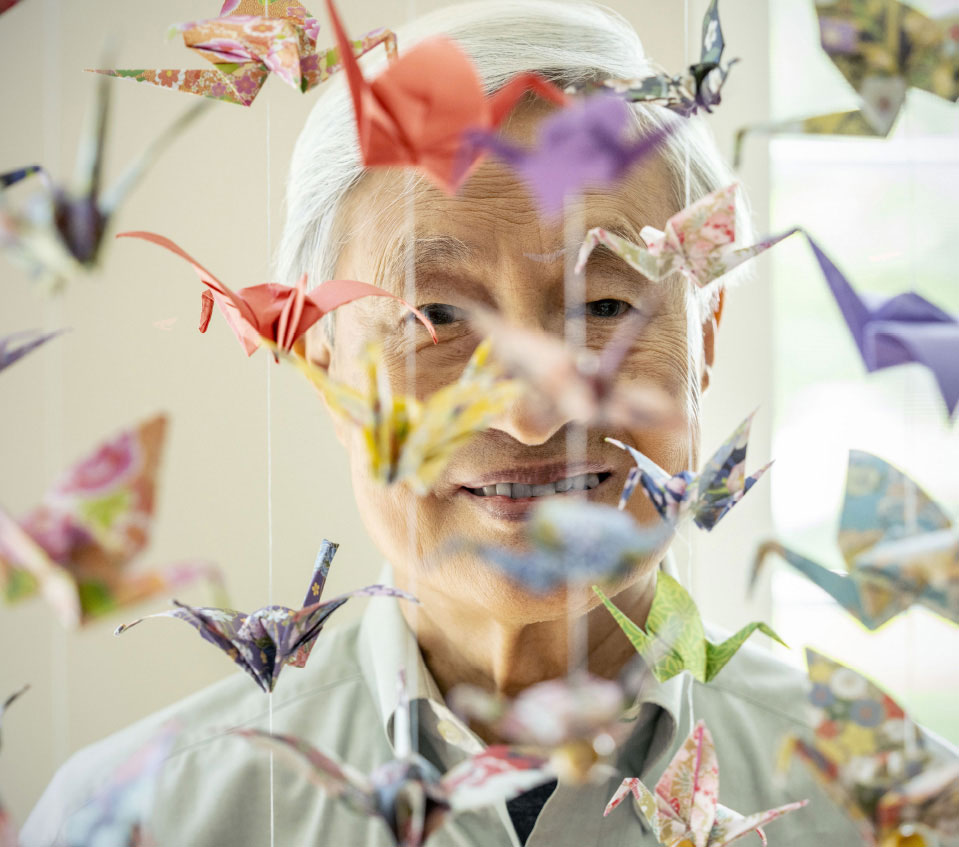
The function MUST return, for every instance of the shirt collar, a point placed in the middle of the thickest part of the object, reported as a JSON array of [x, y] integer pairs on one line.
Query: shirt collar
[[387, 646]]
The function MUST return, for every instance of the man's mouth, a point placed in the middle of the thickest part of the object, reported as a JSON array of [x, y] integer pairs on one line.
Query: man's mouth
[[523, 491]]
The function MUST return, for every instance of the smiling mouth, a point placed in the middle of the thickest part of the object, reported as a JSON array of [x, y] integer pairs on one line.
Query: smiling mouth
[[523, 491]]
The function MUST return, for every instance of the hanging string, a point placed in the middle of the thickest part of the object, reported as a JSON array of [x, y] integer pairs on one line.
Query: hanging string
[[53, 372], [574, 333], [409, 294], [688, 538], [269, 448]]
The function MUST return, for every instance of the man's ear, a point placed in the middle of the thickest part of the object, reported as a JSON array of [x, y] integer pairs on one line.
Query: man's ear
[[710, 328]]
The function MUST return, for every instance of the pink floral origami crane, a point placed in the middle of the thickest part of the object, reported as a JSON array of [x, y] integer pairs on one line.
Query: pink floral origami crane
[[275, 313], [250, 40], [697, 242], [76, 546], [685, 808]]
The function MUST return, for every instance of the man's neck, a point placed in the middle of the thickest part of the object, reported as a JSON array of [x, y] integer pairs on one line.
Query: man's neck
[[463, 643]]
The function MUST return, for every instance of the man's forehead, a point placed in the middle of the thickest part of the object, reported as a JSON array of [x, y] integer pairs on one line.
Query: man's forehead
[[396, 220]]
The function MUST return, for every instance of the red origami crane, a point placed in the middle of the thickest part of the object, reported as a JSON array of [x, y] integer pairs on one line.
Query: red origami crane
[[279, 314], [416, 111]]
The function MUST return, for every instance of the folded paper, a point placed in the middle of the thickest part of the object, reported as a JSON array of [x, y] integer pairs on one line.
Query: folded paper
[[401, 791], [575, 542], [117, 814], [707, 496], [674, 639], [262, 642], [882, 48], [581, 385], [16, 345], [409, 440], [250, 40], [577, 721], [897, 330], [697, 242], [900, 548], [698, 88], [77, 546], [684, 809], [58, 231], [274, 313], [415, 113], [871, 759], [589, 144]]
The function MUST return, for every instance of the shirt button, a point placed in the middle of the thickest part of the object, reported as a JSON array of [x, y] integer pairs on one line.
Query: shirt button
[[450, 732]]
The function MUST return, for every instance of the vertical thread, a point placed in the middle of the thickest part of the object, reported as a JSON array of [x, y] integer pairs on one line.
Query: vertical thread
[[574, 332], [53, 374], [269, 449]]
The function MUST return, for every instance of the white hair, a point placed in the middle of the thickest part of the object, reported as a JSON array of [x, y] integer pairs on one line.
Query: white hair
[[570, 42]]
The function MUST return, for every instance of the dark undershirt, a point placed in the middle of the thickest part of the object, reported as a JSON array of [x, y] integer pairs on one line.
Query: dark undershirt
[[524, 809]]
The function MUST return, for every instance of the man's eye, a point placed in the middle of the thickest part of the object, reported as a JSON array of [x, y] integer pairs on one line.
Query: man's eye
[[607, 308], [442, 313]]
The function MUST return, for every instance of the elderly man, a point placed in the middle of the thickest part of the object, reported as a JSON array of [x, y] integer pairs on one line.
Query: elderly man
[[489, 245]]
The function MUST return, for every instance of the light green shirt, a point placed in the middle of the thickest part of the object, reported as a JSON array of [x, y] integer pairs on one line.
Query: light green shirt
[[215, 787]]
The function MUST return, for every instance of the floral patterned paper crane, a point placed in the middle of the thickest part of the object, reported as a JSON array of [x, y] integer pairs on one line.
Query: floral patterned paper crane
[[250, 40]]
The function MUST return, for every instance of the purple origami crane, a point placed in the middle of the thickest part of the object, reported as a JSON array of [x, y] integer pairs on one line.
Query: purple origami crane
[[586, 144], [265, 640], [16, 345], [897, 330]]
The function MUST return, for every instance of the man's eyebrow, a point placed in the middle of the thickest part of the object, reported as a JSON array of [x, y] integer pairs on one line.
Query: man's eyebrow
[[427, 251]]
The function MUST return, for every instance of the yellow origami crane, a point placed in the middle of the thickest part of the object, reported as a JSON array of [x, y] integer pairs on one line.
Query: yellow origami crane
[[408, 439]]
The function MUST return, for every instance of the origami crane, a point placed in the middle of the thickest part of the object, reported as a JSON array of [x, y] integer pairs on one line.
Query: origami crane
[[674, 639], [8, 830], [277, 314], [116, 815], [685, 807], [580, 385], [248, 41], [896, 330], [708, 495], [76, 546], [60, 231], [899, 546], [400, 792], [871, 759], [7, 4], [415, 113], [588, 144], [698, 88], [577, 720], [262, 642], [575, 542], [15, 346], [408, 439], [882, 48], [696, 242]]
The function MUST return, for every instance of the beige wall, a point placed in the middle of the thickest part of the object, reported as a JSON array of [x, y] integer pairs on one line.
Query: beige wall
[[210, 194]]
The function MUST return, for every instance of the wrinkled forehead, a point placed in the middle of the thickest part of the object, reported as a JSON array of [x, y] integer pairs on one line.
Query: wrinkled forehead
[[395, 221]]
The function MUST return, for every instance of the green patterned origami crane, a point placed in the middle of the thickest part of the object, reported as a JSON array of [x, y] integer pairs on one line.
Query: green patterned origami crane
[[674, 639]]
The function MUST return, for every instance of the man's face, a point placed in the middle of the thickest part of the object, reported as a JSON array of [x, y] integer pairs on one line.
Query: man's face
[[489, 245]]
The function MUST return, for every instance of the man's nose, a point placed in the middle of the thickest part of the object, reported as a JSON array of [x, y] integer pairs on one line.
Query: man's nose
[[530, 420]]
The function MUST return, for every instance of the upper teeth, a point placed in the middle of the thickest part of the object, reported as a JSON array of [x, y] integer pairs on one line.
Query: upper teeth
[[518, 490]]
